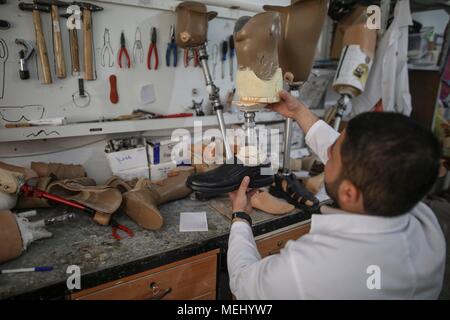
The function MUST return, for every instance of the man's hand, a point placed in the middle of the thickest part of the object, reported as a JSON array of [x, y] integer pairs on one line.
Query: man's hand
[[240, 198], [288, 107]]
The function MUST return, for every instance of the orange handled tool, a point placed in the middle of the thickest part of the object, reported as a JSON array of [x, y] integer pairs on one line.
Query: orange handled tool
[[113, 95]]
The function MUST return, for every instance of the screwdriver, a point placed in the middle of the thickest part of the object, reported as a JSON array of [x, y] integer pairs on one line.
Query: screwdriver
[[231, 44], [224, 56]]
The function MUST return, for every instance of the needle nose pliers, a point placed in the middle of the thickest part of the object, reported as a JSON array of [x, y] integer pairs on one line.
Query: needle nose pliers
[[152, 48], [172, 48], [123, 49]]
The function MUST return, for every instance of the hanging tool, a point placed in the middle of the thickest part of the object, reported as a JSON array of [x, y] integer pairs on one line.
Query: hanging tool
[[107, 50], [60, 64], [113, 95], [138, 52], [123, 49], [190, 54], [74, 54], [88, 44], [32, 191], [152, 48], [224, 56], [232, 51], [4, 25], [3, 59], [172, 48], [24, 55], [40, 40], [214, 58]]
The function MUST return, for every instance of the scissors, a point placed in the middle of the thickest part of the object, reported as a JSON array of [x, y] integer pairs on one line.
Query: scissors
[[171, 48], [3, 59]]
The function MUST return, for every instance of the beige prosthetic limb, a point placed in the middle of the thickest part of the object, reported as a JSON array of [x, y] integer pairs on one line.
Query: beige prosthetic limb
[[17, 233]]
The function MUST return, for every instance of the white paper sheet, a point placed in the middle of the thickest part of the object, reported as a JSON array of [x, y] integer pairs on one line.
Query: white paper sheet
[[193, 221]]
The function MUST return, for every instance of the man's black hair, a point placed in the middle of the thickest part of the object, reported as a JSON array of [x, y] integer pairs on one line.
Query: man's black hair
[[392, 159]]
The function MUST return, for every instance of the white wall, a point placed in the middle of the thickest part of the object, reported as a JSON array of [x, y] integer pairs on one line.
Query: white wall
[[173, 86]]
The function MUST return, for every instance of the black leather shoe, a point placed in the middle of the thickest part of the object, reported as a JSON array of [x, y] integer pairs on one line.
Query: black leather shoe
[[227, 178], [294, 192]]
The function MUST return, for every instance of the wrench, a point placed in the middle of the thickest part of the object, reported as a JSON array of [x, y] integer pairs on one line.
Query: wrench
[[3, 59]]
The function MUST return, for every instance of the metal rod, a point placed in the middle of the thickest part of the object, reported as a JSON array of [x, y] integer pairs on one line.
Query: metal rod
[[214, 98], [294, 90]]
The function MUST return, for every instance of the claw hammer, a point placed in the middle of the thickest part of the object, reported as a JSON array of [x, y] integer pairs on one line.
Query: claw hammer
[[36, 9], [88, 8], [60, 64]]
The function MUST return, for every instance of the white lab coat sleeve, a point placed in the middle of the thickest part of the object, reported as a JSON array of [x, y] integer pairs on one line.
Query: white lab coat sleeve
[[320, 137], [252, 277]]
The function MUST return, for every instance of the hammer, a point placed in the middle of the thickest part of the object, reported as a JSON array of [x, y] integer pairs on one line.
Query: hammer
[[40, 40], [57, 40], [73, 40], [88, 8]]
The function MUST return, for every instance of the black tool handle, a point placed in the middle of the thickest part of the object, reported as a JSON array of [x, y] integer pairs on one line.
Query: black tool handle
[[23, 68], [224, 50]]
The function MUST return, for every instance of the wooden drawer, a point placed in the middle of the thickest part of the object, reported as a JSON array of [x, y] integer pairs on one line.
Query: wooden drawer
[[273, 242], [192, 278]]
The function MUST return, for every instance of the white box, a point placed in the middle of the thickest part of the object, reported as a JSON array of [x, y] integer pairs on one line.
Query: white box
[[127, 159], [161, 151], [133, 173], [160, 171]]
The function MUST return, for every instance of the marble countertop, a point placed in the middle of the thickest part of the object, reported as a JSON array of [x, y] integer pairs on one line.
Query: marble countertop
[[101, 258]]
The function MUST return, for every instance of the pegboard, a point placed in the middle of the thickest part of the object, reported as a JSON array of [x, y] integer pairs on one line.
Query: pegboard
[[173, 87]]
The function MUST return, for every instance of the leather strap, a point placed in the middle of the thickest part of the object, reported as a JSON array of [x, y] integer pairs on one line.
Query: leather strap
[[242, 215]]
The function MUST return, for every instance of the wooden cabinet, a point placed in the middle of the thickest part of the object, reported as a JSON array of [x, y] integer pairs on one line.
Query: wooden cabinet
[[191, 278], [273, 242]]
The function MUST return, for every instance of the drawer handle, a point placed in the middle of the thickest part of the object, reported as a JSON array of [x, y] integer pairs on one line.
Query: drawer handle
[[157, 293], [280, 243]]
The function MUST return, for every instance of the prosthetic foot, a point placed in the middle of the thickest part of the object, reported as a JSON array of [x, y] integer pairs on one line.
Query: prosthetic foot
[[264, 201], [141, 200]]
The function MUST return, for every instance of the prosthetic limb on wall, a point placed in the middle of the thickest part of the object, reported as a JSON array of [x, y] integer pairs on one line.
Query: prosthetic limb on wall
[[192, 30], [301, 26], [357, 46]]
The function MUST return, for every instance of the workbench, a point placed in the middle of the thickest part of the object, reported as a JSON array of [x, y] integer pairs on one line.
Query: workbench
[[102, 259]]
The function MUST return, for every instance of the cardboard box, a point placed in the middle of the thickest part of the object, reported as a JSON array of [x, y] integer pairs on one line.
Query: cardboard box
[[160, 151], [159, 171], [133, 173], [127, 159]]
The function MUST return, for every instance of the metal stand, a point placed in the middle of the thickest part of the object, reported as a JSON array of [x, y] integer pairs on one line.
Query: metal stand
[[342, 103], [294, 89], [214, 98]]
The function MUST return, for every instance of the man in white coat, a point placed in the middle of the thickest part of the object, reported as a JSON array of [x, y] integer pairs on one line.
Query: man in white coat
[[382, 242]]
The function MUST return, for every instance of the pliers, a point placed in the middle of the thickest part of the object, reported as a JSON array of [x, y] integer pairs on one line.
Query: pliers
[[152, 48], [172, 48], [188, 57], [115, 225], [123, 49]]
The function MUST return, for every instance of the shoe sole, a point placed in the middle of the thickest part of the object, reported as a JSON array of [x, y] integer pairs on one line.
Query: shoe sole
[[260, 183]]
